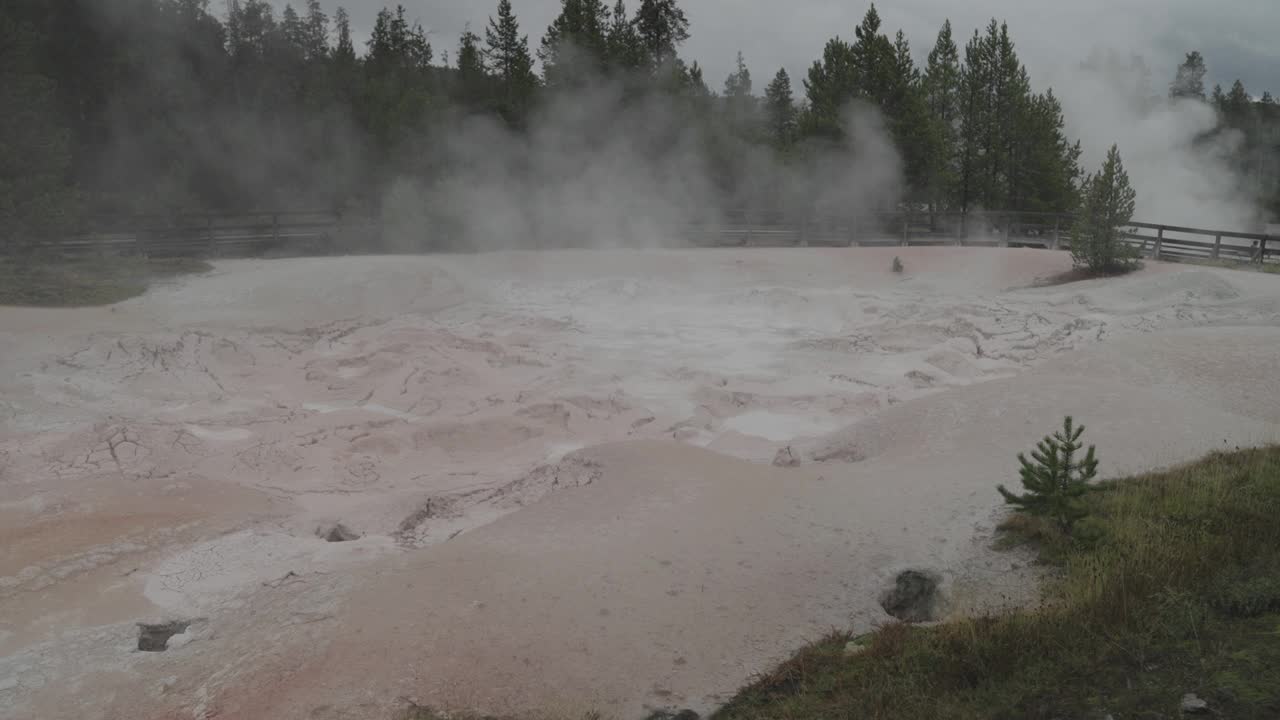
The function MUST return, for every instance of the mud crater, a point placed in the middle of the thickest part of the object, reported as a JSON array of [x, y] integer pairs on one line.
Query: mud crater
[[155, 638]]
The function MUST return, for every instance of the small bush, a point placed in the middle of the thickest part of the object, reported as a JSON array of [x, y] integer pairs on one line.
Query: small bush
[[1054, 481], [897, 265], [1108, 203]]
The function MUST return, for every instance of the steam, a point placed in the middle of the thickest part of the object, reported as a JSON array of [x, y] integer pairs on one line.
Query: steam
[[596, 168], [1181, 169]]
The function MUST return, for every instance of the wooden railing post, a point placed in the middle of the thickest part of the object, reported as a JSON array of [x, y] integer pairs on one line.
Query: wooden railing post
[[1217, 245], [1159, 243], [1057, 220], [1262, 250], [853, 230], [906, 223]]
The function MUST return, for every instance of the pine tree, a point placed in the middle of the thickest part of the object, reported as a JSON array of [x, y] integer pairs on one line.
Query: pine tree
[[780, 110], [292, 27], [662, 28], [913, 130], [1048, 169], [877, 76], [1013, 99], [472, 86], [345, 52], [624, 49], [941, 82], [738, 84], [975, 118], [315, 35], [1107, 206], [507, 54], [1237, 106], [1189, 81], [739, 103], [831, 83], [1055, 482], [575, 46]]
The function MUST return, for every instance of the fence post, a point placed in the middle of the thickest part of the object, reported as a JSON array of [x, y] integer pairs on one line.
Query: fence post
[[853, 230], [1217, 245], [1159, 243], [906, 222], [1262, 251], [746, 218], [1004, 231], [1057, 220]]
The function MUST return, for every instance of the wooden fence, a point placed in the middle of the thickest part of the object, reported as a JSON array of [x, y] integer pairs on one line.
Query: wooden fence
[[213, 236], [320, 233], [1004, 229]]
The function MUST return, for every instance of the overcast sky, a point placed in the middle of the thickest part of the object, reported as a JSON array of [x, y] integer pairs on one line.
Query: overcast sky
[[1237, 37]]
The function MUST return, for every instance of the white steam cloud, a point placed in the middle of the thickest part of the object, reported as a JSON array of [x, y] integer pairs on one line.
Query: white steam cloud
[[1181, 171], [595, 170]]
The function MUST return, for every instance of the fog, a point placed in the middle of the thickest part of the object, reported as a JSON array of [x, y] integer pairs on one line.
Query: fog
[[1182, 176], [597, 169], [1107, 98]]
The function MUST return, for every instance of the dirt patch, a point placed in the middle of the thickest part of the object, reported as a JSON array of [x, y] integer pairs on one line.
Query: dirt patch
[[1080, 274]]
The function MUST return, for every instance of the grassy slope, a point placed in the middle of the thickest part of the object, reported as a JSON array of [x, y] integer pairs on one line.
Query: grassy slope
[[81, 283], [1174, 589]]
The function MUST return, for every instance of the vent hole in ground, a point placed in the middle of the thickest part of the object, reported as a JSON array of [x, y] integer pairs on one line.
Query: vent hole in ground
[[913, 598], [155, 638], [337, 532]]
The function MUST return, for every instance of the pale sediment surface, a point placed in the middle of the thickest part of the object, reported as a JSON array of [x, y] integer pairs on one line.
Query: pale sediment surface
[[550, 472]]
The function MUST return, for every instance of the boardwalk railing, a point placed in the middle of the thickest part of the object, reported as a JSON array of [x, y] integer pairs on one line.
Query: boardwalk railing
[[1006, 229], [234, 235], [324, 232]]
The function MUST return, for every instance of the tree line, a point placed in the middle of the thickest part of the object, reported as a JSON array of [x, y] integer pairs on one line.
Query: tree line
[[165, 106]]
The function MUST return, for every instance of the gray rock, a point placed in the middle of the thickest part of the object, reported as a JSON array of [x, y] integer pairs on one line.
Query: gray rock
[[337, 532], [913, 597], [1193, 705], [786, 458]]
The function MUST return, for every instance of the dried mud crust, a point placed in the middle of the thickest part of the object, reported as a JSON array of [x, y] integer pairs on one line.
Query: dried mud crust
[[571, 472], [404, 405]]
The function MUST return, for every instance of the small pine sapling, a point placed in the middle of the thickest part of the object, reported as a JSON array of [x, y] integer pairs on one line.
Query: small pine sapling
[[1054, 481]]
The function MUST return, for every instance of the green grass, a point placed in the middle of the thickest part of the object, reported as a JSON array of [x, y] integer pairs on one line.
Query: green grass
[[1171, 586], [43, 282]]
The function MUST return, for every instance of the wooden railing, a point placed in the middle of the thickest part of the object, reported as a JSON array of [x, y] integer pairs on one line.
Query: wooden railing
[[324, 232], [1007, 229], [1176, 243], [208, 235]]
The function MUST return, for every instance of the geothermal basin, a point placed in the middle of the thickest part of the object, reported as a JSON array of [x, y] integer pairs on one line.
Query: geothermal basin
[[542, 483]]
